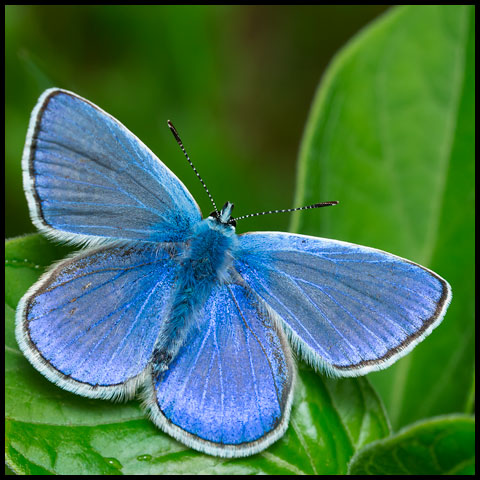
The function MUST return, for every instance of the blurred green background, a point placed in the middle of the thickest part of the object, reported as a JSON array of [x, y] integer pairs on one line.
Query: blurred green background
[[237, 81]]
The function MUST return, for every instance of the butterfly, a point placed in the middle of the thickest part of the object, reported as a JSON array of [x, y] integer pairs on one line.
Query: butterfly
[[181, 310]]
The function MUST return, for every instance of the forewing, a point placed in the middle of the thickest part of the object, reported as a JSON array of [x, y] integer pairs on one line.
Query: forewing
[[88, 178], [228, 392], [91, 322], [348, 308]]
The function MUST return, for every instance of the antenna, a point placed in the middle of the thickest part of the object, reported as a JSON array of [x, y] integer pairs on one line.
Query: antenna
[[315, 205], [179, 141]]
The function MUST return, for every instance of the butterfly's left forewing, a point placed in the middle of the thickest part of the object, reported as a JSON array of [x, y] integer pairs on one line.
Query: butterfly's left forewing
[[89, 179], [229, 390], [347, 308]]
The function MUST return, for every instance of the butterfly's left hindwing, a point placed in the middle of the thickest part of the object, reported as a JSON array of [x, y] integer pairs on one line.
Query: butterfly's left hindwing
[[228, 392], [349, 309], [89, 179], [90, 324]]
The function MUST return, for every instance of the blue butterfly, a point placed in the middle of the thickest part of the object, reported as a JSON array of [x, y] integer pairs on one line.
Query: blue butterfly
[[182, 310]]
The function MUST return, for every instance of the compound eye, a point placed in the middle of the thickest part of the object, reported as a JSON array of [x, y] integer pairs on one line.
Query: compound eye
[[214, 214], [232, 222]]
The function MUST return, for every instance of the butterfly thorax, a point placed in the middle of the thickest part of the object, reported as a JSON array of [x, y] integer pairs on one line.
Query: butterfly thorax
[[209, 250], [206, 261]]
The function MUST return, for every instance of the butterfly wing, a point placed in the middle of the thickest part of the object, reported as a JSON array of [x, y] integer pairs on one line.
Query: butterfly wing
[[88, 178], [348, 308], [91, 322], [229, 390]]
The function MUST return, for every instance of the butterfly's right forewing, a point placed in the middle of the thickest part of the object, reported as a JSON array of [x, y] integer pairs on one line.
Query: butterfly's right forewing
[[348, 309]]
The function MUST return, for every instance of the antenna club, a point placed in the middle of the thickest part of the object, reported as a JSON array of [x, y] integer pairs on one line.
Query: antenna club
[[179, 141], [175, 133], [324, 204], [306, 207]]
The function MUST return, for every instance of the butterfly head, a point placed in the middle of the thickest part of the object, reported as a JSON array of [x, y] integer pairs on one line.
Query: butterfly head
[[225, 215]]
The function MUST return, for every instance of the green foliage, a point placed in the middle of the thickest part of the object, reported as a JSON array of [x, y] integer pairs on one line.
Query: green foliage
[[390, 135], [439, 446]]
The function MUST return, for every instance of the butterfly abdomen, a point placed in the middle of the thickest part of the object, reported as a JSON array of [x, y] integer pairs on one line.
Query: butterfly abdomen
[[205, 262]]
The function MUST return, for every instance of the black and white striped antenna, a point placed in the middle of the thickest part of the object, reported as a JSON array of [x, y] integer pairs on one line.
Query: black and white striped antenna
[[179, 141], [315, 205]]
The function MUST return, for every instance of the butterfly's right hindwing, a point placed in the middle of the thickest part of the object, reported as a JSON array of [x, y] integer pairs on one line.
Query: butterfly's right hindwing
[[228, 391]]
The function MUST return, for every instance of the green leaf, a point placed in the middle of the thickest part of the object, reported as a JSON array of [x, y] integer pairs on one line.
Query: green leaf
[[51, 431], [439, 446], [391, 136], [470, 403]]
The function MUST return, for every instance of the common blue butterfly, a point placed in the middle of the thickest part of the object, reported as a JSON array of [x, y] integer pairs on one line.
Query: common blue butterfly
[[182, 310]]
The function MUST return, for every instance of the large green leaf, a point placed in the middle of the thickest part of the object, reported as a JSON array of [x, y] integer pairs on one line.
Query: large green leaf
[[49, 430], [391, 136], [439, 446]]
